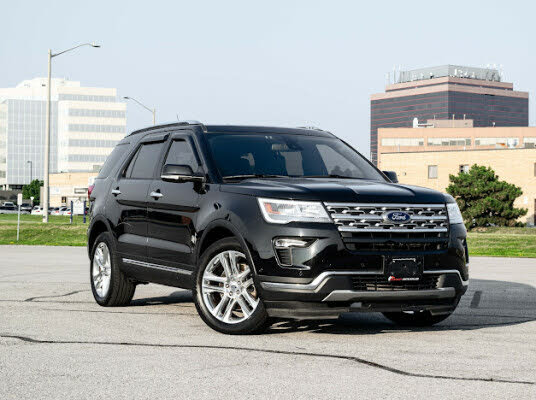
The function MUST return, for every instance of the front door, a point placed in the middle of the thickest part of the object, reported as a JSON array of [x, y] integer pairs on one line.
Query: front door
[[172, 212]]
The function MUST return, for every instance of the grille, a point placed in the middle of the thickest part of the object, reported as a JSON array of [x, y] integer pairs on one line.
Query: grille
[[364, 227], [380, 283]]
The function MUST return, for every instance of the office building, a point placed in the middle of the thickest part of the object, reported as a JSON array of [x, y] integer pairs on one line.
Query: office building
[[445, 93], [86, 124]]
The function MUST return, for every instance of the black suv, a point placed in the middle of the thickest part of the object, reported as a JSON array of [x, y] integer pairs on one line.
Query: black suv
[[266, 222]]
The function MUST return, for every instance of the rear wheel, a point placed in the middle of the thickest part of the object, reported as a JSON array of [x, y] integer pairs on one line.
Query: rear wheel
[[109, 285], [416, 318], [225, 294]]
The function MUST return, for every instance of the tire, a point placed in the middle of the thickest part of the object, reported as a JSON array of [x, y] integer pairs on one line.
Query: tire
[[228, 302], [115, 290], [416, 318]]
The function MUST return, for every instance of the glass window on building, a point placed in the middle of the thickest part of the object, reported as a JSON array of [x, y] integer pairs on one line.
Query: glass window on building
[[497, 142], [464, 168], [403, 142], [432, 172], [449, 142]]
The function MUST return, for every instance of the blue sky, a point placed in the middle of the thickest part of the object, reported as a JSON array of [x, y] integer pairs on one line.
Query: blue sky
[[285, 63]]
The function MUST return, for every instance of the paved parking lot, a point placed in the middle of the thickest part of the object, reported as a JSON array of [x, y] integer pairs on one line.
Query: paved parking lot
[[55, 342]]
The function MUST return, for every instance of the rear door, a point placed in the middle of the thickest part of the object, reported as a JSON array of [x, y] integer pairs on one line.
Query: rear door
[[129, 198], [172, 210]]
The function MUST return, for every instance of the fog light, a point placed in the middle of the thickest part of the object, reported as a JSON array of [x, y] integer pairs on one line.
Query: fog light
[[286, 243]]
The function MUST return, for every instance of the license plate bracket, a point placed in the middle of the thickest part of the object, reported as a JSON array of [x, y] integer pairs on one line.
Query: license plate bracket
[[403, 268]]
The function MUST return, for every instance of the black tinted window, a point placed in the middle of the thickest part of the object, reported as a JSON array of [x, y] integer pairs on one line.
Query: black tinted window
[[181, 153], [113, 159], [288, 155], [144, 162]]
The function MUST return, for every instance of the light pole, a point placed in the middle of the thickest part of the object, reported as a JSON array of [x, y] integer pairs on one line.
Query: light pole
[[31, 170], [153, 110], [47, 134]]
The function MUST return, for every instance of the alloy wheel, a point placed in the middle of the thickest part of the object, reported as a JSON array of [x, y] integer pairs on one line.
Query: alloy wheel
[[102, 269], [227, 287]]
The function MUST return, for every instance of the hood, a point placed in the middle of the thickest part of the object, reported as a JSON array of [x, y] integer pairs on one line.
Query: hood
[[335, 190]]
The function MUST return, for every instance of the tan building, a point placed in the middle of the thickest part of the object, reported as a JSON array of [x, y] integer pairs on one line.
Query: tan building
[[69, 186], [432, 138], [432, 168]]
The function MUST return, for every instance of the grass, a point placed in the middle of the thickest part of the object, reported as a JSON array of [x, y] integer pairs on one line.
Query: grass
[[495, 242], [502, 242], [58, 232]]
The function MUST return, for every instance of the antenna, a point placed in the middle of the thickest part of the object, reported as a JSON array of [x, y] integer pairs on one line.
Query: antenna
[[178, 120]]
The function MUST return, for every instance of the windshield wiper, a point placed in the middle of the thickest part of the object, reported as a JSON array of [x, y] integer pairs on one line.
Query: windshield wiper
[[249, 176], [332, 176]]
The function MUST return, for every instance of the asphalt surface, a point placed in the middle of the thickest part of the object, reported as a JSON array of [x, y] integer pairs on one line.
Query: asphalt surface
[[56, 342]]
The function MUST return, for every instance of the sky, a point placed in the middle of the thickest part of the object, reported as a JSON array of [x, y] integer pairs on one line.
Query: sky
[[280, 63]]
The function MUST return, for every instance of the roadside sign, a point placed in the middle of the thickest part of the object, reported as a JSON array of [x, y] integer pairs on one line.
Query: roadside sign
[[78, 207], [19, 199]]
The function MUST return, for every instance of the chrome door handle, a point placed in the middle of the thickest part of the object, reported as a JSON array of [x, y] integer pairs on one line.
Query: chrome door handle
[[156, 195], [115, 192]]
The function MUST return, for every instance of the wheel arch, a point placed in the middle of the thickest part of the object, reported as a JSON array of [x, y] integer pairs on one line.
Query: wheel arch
[[221, 229], [98, 226]]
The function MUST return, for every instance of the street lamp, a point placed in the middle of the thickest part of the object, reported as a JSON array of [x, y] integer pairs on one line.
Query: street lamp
[[31, 170], [47, 135], [147, 108]]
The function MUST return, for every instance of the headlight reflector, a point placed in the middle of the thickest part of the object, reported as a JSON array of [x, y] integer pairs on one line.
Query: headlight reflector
[[285, 211], [455, 216]]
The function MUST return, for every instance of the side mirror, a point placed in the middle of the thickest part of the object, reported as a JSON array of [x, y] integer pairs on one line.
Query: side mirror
[[391, 175], [180, 173]]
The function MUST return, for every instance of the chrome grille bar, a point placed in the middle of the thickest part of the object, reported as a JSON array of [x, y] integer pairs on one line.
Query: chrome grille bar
[[369, 218]]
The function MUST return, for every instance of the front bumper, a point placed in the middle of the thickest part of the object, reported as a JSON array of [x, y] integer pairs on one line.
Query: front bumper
[[331, 294]]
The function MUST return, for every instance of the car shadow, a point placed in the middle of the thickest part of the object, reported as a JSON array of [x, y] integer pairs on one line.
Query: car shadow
[[179, 296], [487, 303]]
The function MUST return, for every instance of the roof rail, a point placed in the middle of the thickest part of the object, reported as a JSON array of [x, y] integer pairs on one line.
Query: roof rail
[[313, 128], [167, 125]]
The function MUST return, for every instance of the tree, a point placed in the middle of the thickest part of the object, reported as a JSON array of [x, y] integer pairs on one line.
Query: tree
[[485, 200], [32, 189]]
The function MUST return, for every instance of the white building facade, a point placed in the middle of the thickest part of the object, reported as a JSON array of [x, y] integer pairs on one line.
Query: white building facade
[[86, 124]]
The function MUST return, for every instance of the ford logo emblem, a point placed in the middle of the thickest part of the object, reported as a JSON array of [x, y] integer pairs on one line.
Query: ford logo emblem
[[397, 217]]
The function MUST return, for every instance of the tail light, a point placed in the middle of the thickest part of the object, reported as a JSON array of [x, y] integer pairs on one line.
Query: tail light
[[89, 191]]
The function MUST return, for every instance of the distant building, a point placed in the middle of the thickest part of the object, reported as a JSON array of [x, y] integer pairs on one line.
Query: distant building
[[445, 93], [86, 124], [430, 138], [66, 187]]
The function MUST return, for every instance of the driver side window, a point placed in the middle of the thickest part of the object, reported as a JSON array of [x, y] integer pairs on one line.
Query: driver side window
[[181, 153]]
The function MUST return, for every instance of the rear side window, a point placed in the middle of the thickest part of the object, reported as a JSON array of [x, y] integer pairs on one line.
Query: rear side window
[[113, 160], [144, 161]]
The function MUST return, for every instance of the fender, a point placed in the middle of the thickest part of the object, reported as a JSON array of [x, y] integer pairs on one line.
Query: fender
[[94, 220], [224, 223]]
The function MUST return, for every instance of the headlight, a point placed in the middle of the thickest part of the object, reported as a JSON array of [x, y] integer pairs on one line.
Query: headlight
[[455, 216], [285, 211]]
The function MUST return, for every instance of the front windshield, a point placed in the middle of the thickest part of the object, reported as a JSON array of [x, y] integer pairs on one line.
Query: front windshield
[[244, 155]]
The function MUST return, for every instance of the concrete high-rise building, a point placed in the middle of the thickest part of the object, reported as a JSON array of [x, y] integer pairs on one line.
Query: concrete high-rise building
[[86, 123], [447, 92]]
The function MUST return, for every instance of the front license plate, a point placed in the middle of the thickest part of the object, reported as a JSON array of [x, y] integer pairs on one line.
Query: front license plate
[[403, 268]]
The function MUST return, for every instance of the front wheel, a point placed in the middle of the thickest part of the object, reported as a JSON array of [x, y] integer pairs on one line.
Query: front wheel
[[416, 318], [225, 295]]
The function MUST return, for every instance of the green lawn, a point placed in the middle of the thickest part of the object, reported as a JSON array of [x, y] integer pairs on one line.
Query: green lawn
[[500, 242], [58, 232]]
